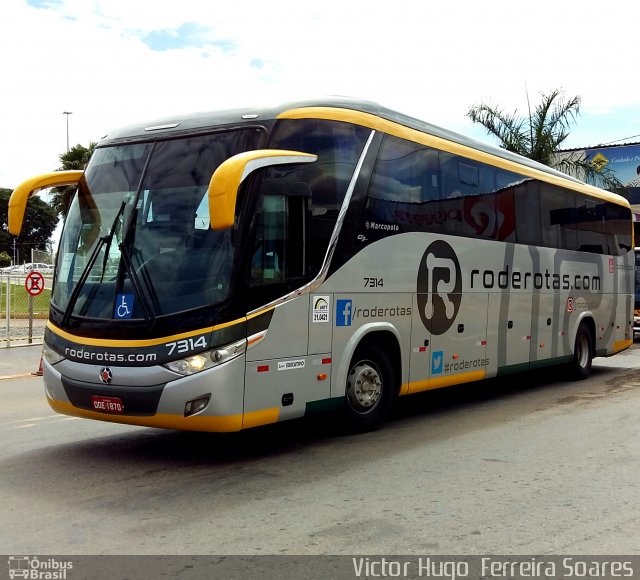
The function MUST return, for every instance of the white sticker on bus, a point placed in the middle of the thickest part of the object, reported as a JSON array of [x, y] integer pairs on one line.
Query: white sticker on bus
[[321, 309], [290, 365]]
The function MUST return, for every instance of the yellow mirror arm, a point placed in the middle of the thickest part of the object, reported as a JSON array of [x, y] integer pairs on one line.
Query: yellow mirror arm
[[224, 184], [22, 193]]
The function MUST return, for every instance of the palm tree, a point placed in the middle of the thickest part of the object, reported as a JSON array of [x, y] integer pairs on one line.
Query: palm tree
[[540, 135], [75, 158]]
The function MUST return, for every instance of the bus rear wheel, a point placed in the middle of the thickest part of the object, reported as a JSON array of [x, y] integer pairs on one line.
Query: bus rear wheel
[[582, 353], [369, 392]]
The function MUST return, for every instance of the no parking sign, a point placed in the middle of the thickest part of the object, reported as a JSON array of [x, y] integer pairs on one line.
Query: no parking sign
[[34, 283]]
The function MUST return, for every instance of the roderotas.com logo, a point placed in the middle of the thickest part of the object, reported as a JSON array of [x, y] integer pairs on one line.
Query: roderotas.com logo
[[439, 287], [35, 568]]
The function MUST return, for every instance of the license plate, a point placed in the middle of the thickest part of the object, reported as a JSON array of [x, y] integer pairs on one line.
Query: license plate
[[107, 404]]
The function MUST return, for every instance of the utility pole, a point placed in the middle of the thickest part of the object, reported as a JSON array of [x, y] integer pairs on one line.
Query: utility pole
[[67, 113]]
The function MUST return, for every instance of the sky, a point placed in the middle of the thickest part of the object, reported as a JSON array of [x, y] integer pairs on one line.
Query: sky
[[115, 62]]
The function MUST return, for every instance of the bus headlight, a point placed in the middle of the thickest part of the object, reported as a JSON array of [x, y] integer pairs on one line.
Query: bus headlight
[[205, 360]]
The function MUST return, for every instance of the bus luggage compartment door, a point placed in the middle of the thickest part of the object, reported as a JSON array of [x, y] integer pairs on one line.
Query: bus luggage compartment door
[[509, 331]]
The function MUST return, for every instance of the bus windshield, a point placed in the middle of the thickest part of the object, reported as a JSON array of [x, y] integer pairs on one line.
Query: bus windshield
[[137, 240]]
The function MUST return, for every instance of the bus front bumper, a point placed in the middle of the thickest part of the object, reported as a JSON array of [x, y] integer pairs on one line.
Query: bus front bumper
[[153, 396]]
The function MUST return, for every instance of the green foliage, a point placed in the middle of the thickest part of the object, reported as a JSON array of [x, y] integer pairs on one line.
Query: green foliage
[[5, 259], [537, 135], [20, 301], [76, 158], [40, 220], [575, 163], [540, 135]]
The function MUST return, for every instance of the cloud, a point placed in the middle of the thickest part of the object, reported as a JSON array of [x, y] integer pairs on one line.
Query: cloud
[[120, 61], [186, 35]]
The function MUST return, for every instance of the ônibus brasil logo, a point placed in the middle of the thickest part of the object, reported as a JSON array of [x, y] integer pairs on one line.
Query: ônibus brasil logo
[[439, 287], [34, 568]]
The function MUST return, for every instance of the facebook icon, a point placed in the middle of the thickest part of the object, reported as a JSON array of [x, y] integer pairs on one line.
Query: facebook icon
[[344, 312]]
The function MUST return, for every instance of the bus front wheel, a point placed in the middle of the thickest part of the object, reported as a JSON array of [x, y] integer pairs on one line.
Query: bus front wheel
[[369, 390], [582, 353]]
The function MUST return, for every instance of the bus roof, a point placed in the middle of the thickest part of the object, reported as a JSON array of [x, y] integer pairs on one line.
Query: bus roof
[[363, 112]]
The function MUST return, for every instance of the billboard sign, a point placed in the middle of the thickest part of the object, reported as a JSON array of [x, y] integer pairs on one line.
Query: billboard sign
[[623, 161]]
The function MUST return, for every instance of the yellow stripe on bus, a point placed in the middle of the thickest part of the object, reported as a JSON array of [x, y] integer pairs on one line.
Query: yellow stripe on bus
[[258, 418], [149, 342], [397, 130], [439, 382], [216, 424], [621, 345]]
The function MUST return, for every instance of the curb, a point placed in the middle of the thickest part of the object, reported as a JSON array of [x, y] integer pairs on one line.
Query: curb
[[20, 376]]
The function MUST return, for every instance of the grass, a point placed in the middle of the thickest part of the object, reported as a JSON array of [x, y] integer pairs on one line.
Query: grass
[[20, 302]]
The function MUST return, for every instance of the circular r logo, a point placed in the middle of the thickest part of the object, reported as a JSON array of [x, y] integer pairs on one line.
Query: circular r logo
[[439, 287]]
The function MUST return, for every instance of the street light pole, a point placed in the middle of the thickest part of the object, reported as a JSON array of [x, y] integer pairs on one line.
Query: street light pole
[[67, 113]]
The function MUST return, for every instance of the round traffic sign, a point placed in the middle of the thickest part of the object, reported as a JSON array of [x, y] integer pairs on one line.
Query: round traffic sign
[[34, 283]]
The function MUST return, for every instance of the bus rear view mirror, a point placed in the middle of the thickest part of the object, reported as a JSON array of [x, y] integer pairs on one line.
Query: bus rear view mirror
[[22, 193], [224, 184]]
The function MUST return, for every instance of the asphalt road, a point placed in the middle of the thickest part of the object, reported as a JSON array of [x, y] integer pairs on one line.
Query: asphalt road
[[529, 465]]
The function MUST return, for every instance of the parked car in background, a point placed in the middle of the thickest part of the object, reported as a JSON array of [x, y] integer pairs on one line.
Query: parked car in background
[[13, 269], [41, 267], [38, 267]]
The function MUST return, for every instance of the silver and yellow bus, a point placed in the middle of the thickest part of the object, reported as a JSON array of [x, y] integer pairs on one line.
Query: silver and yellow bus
[[227, 270]]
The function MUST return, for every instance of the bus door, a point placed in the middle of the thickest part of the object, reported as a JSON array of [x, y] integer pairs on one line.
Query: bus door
[[281, 374], [281, 379], [627, 275]]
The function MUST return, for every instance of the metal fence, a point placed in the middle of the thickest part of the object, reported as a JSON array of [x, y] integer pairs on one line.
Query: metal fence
[[23, 316]]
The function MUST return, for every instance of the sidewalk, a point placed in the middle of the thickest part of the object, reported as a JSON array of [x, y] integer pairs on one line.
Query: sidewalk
[[19, 360]]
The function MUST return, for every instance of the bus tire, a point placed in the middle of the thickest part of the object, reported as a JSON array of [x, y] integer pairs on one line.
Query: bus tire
[[369, 390], [582, 353]]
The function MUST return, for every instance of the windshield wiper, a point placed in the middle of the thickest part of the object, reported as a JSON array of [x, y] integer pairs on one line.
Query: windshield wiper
[[89, 266], [147, 311], [109, 238], [148, 314]]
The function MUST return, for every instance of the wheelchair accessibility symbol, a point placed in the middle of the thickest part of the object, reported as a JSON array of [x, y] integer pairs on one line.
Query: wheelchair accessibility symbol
[[124, 306]]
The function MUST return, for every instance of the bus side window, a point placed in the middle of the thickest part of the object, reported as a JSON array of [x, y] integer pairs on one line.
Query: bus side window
[[558, 218], [591, 225], [280, 251], [526, 197], [268, 262], [619, 228], [405, 172]]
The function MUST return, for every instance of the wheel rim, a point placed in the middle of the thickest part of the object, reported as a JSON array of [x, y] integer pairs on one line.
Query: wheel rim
[[364, 387], [583, 351]]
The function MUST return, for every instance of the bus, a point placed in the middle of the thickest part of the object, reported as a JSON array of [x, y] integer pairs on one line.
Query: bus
[[636, 305], [228, 270]]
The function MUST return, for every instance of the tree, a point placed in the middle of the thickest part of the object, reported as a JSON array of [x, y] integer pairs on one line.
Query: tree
[[5, 259], [76, 158], [540, 135], [40, 220]]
